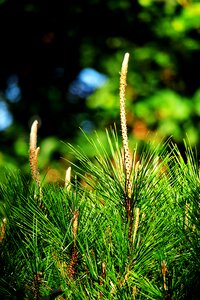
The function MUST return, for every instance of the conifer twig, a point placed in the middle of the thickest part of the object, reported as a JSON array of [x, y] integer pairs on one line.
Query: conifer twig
[[74, 254], [102, 277], [3, 229], [127, 159], [166, 281], [187, 206], [68, 179], [136, 225], [33, 154], [75, 225]]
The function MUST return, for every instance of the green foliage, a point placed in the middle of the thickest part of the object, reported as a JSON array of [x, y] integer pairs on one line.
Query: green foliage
[[159, 93], [79, 238], [162, 38], [84, 238]]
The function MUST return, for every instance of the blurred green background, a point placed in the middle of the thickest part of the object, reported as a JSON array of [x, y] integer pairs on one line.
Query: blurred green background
[[60, 64]]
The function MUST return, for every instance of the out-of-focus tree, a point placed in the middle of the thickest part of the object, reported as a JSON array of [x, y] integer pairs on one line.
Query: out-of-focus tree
[[46, 47], [163, 90]]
